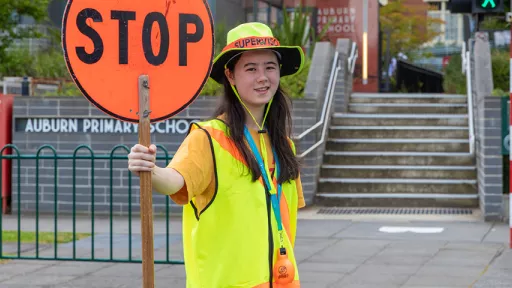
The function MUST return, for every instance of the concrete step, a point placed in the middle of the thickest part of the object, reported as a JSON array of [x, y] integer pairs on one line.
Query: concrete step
[[415, 132], [355, 119], [412, 145], [398, 172], [396, 200], [406, 98], [403, 185], [446, 108], [398, 158], [399, 150]]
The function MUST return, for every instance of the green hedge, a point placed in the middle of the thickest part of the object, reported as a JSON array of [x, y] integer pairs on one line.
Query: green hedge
[[501, 71], [455, 82]]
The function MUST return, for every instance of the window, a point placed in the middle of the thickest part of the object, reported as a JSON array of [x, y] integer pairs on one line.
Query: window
[[452, 27]]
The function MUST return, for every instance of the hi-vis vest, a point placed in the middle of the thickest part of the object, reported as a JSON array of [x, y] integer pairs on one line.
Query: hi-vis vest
[[233, 241]]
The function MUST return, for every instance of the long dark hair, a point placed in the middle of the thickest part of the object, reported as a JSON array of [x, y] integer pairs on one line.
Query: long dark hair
[[278, 125]]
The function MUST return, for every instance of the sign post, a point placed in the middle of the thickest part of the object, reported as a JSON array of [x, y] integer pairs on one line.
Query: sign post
[[146, 200], [119, 51]]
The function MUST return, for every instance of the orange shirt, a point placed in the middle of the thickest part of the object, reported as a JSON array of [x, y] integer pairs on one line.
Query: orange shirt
[[194, 162]]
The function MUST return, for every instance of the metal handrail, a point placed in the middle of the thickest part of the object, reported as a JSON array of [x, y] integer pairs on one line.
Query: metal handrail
[[351, 62], [326, 99], [329, 96], [323, 121], [466, 69]]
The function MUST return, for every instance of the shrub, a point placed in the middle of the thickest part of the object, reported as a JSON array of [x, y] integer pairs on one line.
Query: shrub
[[68, 89], [17, 63], [50, 64], [500, 69], [455, 82], [294, 85], [211, 88]]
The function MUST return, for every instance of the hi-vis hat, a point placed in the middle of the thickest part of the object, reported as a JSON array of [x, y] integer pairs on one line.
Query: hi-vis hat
[[251, 36]]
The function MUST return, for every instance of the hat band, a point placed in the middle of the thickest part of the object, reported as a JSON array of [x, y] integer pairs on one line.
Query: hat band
[[252, 42]]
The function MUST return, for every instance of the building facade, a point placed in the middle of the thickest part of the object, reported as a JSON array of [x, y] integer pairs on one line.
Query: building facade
[[452, 31]]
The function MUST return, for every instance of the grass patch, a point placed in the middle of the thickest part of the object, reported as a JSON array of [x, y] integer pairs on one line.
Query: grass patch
[[44, 237]]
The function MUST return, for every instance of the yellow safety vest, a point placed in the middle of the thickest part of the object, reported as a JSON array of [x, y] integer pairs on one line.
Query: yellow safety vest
[[233, 241]]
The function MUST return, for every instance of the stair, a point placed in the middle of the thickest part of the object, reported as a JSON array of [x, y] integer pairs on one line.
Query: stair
[[399, 150]]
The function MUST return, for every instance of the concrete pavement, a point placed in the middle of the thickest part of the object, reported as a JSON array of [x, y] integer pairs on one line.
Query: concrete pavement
[[333, 251]]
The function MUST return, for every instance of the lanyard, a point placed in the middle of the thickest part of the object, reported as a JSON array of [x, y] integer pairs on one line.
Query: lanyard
[[274, 197]]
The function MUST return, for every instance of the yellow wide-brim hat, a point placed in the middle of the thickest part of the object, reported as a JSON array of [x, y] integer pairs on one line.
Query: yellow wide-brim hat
[[252, 36]]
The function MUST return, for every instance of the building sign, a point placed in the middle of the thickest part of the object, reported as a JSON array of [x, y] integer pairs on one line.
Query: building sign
[[342, 20], [97, 125], [346, 21]]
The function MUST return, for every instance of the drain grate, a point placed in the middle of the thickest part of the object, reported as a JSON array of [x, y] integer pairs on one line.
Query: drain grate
[[395, 211]]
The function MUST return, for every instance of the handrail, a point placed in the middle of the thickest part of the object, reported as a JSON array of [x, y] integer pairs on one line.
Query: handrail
[[351, 61], [323, 121], [329, 96], [326, 99], [466, 69]]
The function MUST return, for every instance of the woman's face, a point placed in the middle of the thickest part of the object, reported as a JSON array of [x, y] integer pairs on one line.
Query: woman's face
[[256, 77]]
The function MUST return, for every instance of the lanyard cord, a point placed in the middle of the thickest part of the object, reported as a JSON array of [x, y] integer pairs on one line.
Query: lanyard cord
[[274, 195]]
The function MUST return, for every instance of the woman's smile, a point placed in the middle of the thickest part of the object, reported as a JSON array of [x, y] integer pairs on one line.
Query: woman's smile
[[262, 90]]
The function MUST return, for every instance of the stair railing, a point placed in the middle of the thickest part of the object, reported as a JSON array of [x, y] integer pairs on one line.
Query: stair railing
[[328, 99], [466, 69], [351, 62]]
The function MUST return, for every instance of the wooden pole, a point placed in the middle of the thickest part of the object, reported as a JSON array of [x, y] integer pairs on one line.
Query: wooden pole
[[146, 190]]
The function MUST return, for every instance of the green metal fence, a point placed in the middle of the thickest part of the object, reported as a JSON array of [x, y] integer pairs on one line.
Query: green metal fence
[[16, 158]]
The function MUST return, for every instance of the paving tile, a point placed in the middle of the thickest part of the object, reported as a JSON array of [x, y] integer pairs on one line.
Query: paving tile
[[461, 258], [413, 260], [376, 279], [326, 267], [166, 271], [320, 277], [453, 271], [72, 269], [369, 269], [439, 281], [132, 270], [19, 268], [103, 282], [39, 279]]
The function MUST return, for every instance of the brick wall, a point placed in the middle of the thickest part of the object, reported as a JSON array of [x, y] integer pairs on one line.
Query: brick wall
[[316, 88], [102, 144], [489, 158], [487, 115]]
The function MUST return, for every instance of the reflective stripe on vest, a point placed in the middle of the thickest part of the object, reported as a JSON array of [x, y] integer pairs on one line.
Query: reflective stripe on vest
[[232, 242]]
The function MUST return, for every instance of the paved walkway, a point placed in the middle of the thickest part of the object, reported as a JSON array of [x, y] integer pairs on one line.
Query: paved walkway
[[333, 251]]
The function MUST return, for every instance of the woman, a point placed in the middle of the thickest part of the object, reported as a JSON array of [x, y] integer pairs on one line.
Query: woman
[[237, 175]]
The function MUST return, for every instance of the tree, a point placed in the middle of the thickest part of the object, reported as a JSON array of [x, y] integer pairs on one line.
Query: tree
[[10, 13], [409, 26]]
